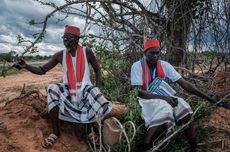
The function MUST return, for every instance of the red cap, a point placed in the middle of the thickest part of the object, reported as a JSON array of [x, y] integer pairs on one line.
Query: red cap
[[151, 43], [72, 30]]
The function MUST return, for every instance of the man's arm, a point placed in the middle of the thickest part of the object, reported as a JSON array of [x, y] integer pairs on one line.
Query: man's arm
[[193, 89], [93, 61], [42, 69], [148, 95]]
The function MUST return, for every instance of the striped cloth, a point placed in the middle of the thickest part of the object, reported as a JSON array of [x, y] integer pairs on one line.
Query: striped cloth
[[93, 104], [156, 112], [160, 87]]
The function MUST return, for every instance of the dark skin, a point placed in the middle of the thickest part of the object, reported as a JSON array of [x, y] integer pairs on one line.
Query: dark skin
[[152, 55], [70, 41], [57, 58]]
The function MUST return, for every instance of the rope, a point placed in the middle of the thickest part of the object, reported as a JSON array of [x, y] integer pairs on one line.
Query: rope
[[124, 132]]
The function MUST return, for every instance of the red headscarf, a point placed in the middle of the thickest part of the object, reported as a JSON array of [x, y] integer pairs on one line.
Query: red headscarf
[[151, 43], [72, 30]]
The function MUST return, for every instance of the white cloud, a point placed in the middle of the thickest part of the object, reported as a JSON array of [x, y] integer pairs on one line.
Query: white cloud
[[16, 14], [8, 38], [54, 34], [8, 47], [49, 49]]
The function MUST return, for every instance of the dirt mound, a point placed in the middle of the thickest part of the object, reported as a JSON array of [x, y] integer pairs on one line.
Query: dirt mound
[[22, 129], [220, 119], [219, 135], [221, 82]]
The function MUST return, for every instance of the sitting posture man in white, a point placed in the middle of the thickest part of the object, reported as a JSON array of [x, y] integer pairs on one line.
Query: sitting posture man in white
[[76, 99], [160, 108]]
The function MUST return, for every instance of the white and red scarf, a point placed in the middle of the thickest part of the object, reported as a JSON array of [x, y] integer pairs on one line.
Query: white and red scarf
[[75, 79], [146, 74]]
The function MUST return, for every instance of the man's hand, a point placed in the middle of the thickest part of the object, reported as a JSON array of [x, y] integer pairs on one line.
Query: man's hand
[[19, 64], [171, 100]]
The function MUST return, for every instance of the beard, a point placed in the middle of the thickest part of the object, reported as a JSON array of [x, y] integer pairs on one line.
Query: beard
[[152, 62], [70, 44]]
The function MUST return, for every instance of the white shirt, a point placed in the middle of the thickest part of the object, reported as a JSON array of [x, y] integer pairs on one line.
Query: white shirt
[[136, 72]]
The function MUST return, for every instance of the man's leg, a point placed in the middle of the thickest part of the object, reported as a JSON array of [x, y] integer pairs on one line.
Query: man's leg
[[54, 92], [51, 139], [54, 120], [53, 95], [152, 134], [190, 133]]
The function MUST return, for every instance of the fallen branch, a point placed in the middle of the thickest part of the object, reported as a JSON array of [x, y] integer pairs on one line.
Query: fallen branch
[[193, 74], [118, 109], [37, 92], [215, 141], [221, 100], [219, 103]]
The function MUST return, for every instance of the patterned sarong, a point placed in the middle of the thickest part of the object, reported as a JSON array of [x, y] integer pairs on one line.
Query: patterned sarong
[[93, 104], [156, 112]]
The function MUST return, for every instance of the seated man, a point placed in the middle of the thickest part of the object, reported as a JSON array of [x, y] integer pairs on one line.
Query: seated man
[[160, 108], [74, 100]]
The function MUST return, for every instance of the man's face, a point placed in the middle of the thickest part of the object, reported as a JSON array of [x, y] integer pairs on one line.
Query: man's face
[[152, 55], [70, 41]]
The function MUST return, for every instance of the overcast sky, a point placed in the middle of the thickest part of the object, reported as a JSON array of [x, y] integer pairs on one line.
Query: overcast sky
[[14, 18]]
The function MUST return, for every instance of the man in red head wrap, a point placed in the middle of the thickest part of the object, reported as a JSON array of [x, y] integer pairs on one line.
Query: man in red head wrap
[[161, 109], [75, 99]]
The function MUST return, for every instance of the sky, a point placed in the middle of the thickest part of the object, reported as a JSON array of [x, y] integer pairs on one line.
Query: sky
[[15, 16], [14, 19]]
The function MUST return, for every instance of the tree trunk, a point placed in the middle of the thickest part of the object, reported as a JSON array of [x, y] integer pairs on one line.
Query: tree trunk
[[177, 30]]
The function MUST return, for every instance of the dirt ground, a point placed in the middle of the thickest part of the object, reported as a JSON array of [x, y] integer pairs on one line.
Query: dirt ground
[[12, 85], [22, 128]]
